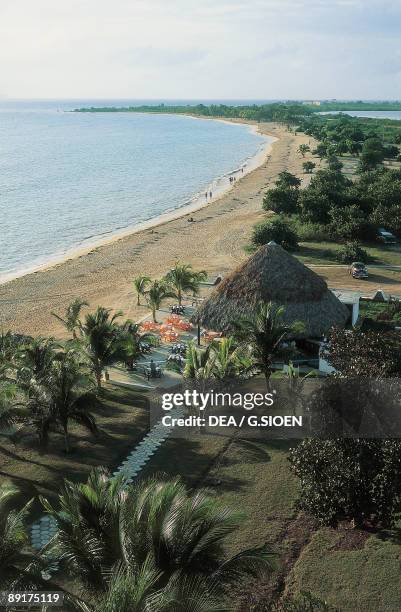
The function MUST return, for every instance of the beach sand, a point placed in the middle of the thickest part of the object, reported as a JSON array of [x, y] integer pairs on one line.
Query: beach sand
[[215, 242]]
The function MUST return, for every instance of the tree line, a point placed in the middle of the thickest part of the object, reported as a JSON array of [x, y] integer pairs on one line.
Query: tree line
[[334, 207]]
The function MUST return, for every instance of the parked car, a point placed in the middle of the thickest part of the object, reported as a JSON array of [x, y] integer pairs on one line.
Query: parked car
[[358, 270], [385, 236]]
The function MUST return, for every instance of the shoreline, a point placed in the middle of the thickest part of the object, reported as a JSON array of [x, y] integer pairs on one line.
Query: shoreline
[[215, 242], [196, 203]]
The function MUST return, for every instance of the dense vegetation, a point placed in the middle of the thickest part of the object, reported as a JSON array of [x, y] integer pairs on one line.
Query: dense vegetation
[[334, 206], [289, 113], [273, 111], [354, 478], [158, 545], [149, 547]]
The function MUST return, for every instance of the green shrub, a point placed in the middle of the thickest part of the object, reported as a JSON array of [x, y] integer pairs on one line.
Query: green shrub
[[308, 231], [350, 252], [345, 478], [350, 223], [276, 229], [281, 200]]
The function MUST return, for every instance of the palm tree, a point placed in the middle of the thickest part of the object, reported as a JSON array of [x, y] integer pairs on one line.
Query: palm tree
[[230, 359], [303, 148], [71, 393], [183, 278], [15, 556], [131, 342], [263, 332], [130, 592], [156, 294], [10, 410], [63, 393], [199, 363], [156, 524], [140, 284], [34, 359], [100, 335], [222, 360], [185, 532], [88, 540], [137, 592], [71, 318]]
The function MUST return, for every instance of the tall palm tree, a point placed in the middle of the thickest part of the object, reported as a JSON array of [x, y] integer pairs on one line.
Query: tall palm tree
[[183, 278], [64, 393], [100, 335], [156, 524], [140, 283], [71, 318], [263, 333], [156, 294], [72, 394]]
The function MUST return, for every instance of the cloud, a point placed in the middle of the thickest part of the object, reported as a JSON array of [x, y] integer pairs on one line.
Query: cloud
[[210, 49]]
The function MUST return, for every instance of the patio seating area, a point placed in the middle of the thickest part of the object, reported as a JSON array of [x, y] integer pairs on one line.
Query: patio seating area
[[162, 360]]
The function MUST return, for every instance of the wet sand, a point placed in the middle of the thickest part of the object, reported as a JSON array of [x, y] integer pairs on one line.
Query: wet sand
[[215, 242]]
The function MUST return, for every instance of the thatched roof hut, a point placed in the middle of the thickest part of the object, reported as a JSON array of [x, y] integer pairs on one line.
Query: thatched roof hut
[[274, 275]]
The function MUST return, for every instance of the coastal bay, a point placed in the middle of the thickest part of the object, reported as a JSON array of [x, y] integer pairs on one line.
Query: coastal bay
[[215, 241]]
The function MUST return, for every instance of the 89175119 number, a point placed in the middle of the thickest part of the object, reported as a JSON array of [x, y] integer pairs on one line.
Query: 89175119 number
[[29, 599]]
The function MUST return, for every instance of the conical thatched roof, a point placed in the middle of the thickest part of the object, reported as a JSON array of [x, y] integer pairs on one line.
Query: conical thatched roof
[[273, 275]]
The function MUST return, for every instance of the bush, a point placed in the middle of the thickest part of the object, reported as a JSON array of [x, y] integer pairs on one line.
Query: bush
[[308, 167], [308, 231], [276, 229], [350, 252], [350, 223], [281, 200], [355, 479]]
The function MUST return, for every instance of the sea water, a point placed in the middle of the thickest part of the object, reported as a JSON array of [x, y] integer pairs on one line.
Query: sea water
[[69, 179]]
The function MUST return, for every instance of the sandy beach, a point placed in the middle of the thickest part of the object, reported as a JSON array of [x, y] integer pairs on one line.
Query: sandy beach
[[214, 241]]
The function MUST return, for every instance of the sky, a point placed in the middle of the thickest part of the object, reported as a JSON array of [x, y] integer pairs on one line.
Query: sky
[[200, 49]]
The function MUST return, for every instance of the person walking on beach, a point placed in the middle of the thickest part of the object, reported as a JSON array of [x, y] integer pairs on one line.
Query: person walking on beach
[[210, 195], [206, 195]]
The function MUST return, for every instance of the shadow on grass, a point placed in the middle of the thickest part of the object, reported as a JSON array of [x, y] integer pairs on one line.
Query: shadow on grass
[[312, 253], [252, 451], [389, 535]]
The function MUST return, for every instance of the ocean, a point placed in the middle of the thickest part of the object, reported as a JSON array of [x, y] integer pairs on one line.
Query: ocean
[[68, 180], [369, 114]]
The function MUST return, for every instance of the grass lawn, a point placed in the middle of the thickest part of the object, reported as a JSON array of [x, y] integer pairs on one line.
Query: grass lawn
[[122, 418], [352, 570], [323, 253]]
